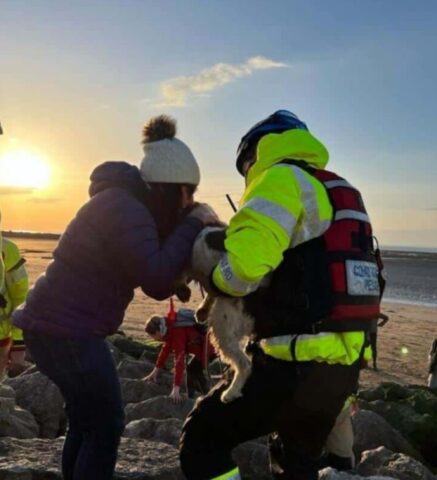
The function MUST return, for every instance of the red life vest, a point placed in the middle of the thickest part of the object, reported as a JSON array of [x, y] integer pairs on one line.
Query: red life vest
[[330, 283], [355, 267]]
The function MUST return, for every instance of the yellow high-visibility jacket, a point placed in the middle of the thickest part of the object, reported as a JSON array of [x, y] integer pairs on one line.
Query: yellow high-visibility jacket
[[282, 207], [14, 289]]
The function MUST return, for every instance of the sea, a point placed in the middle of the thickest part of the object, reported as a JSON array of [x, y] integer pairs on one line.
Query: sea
[[411, 273], [411, 276]]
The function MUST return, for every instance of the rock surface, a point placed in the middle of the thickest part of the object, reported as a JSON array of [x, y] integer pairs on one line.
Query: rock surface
[[382, 461], [38, 459], [131, 368], [159, 408], [14, 421], [135, 391], [372, 431], [410, 409], [133, 348], [331, 474], [403, 419], [42, 398], [166, 431]]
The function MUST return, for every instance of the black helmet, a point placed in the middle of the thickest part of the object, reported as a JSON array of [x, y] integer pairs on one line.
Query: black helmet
[[278, 122]]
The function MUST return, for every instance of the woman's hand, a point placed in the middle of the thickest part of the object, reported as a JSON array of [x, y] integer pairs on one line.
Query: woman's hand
[[175, 395], [205, 214], [153, 376]]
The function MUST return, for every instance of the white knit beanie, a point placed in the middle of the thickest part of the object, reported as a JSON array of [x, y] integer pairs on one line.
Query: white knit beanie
[[166, 159]]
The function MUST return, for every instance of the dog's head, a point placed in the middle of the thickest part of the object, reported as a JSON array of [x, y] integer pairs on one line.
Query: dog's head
[[208, 248]]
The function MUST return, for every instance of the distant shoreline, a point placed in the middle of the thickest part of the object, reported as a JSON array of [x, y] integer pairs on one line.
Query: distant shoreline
[[388, 251], [31, 235]]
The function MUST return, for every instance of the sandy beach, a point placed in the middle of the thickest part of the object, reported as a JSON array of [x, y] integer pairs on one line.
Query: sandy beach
[[403, 343]]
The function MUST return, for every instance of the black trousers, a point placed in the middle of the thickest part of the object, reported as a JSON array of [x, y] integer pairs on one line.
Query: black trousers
[[298, 401]]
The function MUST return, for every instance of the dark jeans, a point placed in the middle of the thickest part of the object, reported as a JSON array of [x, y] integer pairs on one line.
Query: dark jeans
[[84, 371], [299, 401]]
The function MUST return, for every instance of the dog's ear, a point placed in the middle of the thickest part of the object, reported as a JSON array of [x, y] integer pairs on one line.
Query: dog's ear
[[216, 240]]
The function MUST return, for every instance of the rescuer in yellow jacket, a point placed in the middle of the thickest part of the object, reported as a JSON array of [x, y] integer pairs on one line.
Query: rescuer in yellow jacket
[[14, 291], [299, 382]]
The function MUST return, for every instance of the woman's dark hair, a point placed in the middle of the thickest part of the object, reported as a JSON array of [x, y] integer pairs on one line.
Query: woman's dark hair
[[164, 200]]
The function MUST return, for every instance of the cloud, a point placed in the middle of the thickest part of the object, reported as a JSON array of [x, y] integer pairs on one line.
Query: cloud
[[175, 92], [5, 190], [44, 200]]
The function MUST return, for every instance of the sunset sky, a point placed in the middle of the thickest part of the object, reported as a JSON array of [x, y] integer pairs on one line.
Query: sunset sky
[[78, 80]]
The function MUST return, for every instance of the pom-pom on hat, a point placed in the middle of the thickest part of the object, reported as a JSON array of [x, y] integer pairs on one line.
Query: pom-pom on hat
[[166, 158]]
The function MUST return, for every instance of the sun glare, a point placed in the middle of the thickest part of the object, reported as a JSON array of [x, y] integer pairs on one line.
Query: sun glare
[[24, 169]]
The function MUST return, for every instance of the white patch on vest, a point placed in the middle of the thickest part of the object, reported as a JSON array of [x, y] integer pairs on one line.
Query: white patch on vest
[[362, 278]]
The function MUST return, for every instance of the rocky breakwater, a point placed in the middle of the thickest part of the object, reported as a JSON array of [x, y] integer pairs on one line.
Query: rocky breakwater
[[32, 422]]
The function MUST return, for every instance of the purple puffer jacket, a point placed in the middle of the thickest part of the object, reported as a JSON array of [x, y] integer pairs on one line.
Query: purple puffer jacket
[[110, 248]]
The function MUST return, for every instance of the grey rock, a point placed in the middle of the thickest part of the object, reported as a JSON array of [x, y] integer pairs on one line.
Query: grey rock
[[6, 391], [253, 461], [133, 348], [135, 391], [332, 474], [382, 461], [130, 368], [42, 398], [166, 431], [14, 421], [115, 352], [160, 408], [39, 459], [18, 423], [410, 409], [372, 431]]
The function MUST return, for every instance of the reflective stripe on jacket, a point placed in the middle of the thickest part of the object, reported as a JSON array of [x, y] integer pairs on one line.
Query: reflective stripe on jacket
[[15, 287], [282, 207], [344, 348]]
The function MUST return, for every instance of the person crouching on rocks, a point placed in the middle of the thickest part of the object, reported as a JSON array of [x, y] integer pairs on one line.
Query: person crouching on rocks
[[182, 337], [137, 230]]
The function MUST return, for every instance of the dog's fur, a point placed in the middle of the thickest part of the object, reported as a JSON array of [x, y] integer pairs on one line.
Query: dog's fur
[[230, 324]]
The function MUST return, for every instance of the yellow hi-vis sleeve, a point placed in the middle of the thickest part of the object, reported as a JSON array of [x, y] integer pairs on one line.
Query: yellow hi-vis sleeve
[[282, 207], [260, 231], [16, 278]]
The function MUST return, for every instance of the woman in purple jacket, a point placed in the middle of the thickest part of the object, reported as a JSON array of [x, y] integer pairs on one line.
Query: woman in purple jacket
[[137, 230]]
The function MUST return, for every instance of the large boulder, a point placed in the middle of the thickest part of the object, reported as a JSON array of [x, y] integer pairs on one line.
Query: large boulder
[[382, 461], [134, 348], [372, 431], [39, 459], [159, 408], [14, 421], [410, 409], [42, 398], [166, 431], [332, 474], [131, 368], [135, 391]]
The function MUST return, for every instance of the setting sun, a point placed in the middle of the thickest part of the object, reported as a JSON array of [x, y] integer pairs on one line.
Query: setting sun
[[24, 169]]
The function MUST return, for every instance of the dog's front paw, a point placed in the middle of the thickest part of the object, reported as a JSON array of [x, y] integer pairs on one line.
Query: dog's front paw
[[230, 395], [183, 292]]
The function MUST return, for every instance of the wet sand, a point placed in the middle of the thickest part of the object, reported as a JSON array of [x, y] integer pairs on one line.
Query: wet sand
[[403, 343]]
